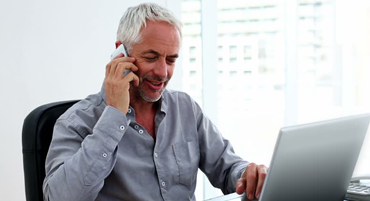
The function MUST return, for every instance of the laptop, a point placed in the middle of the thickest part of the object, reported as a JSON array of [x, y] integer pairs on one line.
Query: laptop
[[313, 161]]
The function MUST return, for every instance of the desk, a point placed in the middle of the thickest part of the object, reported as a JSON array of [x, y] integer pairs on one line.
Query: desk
[[232, 197]]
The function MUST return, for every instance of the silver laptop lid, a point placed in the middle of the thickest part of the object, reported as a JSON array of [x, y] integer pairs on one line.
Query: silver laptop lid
[[315, 161]]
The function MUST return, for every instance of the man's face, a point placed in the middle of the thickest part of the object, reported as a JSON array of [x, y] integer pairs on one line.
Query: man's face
[[155, 57]]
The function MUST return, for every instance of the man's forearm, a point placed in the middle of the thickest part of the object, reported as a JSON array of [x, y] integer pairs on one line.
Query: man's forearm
[[76, 167]]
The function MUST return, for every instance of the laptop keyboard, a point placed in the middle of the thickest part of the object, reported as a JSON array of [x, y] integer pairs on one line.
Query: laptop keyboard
[[358, 191]]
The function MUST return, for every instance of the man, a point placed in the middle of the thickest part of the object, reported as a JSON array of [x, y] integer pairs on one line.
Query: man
[[135, 140]]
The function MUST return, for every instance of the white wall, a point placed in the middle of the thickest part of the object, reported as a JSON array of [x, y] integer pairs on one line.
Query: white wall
[[51, 51]]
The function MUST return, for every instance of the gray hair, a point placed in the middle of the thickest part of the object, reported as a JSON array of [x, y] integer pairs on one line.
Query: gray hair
[[134, 19]]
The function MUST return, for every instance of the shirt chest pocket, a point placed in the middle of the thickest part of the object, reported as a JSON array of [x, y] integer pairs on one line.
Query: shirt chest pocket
[[187, 160]]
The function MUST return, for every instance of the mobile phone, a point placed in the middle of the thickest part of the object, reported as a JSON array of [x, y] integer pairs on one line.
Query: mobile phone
[[120, 49]]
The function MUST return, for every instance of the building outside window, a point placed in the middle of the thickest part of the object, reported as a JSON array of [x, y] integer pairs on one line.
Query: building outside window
[[277, 63]]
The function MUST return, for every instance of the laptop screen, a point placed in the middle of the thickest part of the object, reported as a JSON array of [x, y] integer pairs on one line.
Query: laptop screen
[[315, 161]]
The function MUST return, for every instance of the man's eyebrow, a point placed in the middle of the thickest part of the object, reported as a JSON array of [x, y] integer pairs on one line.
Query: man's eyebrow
[[157, 53], [151, 52], [173, 56]]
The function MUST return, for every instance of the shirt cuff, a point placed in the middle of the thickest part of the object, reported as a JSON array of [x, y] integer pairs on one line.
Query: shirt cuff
[[113, 122]]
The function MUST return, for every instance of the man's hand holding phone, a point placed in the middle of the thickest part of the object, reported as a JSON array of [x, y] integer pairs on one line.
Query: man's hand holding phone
[[117, 84]]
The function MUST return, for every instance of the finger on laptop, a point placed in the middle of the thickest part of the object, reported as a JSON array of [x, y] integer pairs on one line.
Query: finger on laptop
[[251, 177], [240, 185], [247, 182], [262, 172], [252, 181]]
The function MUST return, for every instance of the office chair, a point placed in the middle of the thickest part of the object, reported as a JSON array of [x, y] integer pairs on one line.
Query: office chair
[[36, 136]]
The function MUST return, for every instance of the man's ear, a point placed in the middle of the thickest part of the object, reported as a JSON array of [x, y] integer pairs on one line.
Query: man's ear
[[118, 43]]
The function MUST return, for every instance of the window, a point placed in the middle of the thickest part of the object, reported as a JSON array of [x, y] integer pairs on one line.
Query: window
[[276, 63]]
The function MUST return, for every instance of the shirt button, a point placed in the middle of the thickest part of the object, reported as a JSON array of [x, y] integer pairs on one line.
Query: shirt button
[[155, 155], [141, 131], [136, 126], [163, 184], [129, 110], [122, 128], [105, 155]]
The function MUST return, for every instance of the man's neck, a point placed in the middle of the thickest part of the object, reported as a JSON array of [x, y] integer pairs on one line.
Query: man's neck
[[144, 113], [142, 106]]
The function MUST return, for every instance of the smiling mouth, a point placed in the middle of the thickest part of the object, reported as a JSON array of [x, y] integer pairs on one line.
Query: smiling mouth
[[155, 83]]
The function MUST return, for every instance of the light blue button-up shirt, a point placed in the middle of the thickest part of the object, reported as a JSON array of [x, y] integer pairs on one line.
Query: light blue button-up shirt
[[99, 153]]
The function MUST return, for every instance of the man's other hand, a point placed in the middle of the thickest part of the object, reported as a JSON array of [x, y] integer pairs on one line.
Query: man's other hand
[[252, 181]]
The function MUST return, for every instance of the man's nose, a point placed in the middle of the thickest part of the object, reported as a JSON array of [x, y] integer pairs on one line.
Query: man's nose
[[160, 69]]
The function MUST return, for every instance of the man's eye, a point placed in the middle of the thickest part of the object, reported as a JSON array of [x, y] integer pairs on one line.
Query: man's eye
[[171, 61], [151, 58]]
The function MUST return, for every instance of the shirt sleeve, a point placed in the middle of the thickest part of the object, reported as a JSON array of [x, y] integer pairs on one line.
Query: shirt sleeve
[[78, 162], [217, 157]]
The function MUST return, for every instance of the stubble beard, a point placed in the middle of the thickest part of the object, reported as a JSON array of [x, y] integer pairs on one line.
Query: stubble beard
[[140, 90]]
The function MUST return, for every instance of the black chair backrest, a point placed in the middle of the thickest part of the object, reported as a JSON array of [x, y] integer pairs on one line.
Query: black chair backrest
[[36, 136]]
